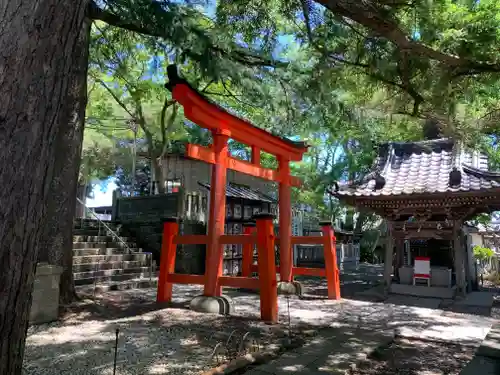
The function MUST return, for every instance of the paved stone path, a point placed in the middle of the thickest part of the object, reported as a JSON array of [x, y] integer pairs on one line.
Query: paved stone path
[[487, 358], [333, 351]]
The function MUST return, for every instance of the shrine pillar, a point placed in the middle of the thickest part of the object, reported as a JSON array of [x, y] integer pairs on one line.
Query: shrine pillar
[[459, 258], [285, 224], [399, 259], [389, 250], [217, 215]]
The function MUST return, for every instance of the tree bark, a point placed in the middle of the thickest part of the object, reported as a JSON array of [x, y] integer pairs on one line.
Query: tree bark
[[81, 192], [57, 244], [38, 40], [158, 172]]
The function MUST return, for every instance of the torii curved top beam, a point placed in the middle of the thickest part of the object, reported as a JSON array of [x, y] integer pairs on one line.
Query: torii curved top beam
[[209, 115]]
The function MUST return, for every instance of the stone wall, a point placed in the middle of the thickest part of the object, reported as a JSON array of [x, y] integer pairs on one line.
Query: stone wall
[[141, 218]]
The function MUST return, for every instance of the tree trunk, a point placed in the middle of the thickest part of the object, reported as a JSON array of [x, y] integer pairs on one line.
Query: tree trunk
[[38, 40], [158, 172], [81, 192], [57, 244]]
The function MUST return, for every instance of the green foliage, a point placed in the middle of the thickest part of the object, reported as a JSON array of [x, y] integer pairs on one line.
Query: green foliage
[[343, 86], [482, 253]]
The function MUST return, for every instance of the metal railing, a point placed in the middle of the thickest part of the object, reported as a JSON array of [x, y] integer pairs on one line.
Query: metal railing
[[111, 231], [115, 235]]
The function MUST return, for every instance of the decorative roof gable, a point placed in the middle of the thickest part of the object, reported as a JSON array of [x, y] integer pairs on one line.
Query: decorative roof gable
[[432, 166]]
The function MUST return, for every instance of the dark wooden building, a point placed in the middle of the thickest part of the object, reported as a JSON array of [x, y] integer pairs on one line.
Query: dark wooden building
[[426, 191]]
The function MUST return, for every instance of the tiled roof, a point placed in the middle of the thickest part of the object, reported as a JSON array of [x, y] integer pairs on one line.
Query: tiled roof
[[243, 192], [434, 166]]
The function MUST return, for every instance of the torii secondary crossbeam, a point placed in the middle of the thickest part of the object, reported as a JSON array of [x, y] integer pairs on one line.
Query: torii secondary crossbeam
[[224, 126]]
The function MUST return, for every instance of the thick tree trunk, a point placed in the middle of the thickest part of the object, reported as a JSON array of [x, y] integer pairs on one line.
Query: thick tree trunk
[[81, 192], [57, 244], [38, 41]]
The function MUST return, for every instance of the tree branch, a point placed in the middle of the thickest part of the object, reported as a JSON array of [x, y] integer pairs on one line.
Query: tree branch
[[168, 103], [373, 16], [235, 98], [115, 97], [241, 56]]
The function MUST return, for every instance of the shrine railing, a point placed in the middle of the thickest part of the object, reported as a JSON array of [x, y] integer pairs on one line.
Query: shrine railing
[[264, 239], [313, 256]]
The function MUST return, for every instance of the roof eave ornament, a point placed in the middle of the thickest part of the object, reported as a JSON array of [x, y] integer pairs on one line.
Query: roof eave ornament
[[379, 182], [173, 77], [455, 179]]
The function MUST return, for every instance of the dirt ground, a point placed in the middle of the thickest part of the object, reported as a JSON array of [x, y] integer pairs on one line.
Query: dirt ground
[[417, 357], [154, 339]]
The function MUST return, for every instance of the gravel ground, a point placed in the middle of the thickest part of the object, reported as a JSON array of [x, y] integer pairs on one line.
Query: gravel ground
[[416, 357], [158, 340], [168, 341]]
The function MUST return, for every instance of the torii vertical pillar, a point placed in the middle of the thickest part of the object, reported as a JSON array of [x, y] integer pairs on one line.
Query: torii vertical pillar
[[267, 268], [331, 264], [285, 226], [217, 215]]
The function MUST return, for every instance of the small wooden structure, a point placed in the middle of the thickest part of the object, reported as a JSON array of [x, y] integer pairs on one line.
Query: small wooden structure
[[223, 126], [426, 190]]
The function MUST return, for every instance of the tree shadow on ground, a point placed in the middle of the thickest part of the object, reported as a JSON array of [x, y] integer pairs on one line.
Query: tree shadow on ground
[[154, 339], [164, 341]]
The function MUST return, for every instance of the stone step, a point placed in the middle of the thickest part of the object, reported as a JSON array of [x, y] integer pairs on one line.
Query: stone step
[[85, 238], [138, 257], [112, 278], [94, 224], [89, 245], [104, 286], [102, 231], [112, 272], [103, 251], [99, 266], [101, 238]]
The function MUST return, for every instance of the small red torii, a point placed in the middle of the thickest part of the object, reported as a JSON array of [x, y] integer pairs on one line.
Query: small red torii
[[223, 126]]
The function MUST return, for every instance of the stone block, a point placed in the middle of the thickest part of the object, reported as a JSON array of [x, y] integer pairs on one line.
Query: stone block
[[293, 288], [45, 295], [216, 305]]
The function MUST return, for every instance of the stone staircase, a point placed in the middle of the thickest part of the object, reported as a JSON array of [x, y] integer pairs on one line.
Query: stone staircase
[[103, 261]]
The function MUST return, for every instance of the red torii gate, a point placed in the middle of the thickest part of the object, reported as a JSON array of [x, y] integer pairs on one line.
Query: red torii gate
[[223, 126]]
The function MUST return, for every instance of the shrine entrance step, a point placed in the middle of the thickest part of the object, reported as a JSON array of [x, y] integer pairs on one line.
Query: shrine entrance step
[[423, 291]]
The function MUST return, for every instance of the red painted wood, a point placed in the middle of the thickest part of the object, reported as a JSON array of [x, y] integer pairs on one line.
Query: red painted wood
[[217, 216], [209, 116], [310, 240], [256, 155], [207, 155], [191, 239], [238, 239], [331, 268], [267, 270], [285, 221], [309, 271], [239, 282], [167, 261]]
